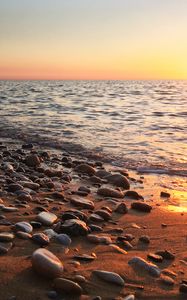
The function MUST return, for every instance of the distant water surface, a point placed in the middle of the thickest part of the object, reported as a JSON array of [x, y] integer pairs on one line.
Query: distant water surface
[[138, 122]]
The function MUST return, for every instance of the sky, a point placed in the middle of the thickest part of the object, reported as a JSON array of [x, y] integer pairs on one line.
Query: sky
[[93, 39]]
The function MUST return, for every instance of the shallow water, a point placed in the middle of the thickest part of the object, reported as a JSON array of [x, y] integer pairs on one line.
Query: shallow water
[[141, 123]]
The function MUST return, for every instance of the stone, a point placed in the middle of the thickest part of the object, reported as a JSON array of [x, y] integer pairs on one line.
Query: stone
[[165, 195], [24, 197], [5, 247], [32, 160], [96, 228], [84, 257], [144, 239], [99, 239], [13, 187], [110, 277], [52, 294], [74, 227], [129, 297], [46, 263], [155, 257], [133, 195], [85, 169], [46, 218], [121, 208], [102, 173], [103, 214], [6, 237], [95, 218], [142, 264], [108, 192], [118, 180], [31, 185], [23, 226], [10, 209], [83, 203], [67, 286], [50, 233], [118, 249], [63, 239], [183, 288], [40, 238], [166, 254], [141, 206], [167, 280], [23, 235]]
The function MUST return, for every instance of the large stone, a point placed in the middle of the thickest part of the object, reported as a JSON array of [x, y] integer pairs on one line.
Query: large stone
[[107, 192], [67, 286], [46, 263], [143, 265], [46, 218]]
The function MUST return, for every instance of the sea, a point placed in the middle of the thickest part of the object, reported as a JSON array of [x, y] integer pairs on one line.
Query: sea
[[137, 124]]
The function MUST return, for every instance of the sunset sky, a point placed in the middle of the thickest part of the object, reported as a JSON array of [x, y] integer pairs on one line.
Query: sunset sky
[[93, 39]]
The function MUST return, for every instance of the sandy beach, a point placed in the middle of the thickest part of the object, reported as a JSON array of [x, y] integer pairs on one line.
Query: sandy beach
[[48, 190]]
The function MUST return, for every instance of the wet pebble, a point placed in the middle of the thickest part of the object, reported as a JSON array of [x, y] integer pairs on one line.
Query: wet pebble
[[23, 226], [46, 263], [121, 208], [141, 206], [46, 218], [110, 277], [67, 286], [108, 192], [40, 238]]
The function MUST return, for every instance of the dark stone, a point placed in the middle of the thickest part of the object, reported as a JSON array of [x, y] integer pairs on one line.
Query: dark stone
[[141, 206]]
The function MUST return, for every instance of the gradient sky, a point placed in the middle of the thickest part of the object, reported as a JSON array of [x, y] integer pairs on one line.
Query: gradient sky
[[93, 39]]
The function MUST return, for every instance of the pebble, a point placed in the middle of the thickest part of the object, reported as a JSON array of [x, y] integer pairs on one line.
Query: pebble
[[67, 286], [110, 277], [84, 257], [74, 227], [23, 235], [166, 254], [167, 280], [40, 238], [6, 237], [133, 195], [52, 294], [121, 208], [141, 206], [85, 169], [46, 263], [13, 187], [32, 160], [183, 288], [50, 233], [155, 257], [83, 203], [46, 218], [144, 239], [104, 214], [118, 180], [10, 209], [145, 265], [129, 297], [23, 226], [99, 239], [118, 249], [63, 239], [108, 192], [5, 247]]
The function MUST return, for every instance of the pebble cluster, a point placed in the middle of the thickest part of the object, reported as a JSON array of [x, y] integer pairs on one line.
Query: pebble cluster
[[46, 188]]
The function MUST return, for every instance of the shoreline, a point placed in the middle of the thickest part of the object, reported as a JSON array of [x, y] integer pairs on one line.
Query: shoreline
[[165, 229]]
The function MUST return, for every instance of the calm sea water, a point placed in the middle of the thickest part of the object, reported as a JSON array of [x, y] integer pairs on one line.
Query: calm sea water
[[141, 123]]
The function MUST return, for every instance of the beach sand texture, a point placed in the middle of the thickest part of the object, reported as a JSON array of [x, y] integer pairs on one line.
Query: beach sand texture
[[46, 189]]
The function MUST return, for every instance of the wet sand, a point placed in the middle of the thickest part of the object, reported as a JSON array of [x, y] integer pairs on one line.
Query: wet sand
[[165, 228]]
